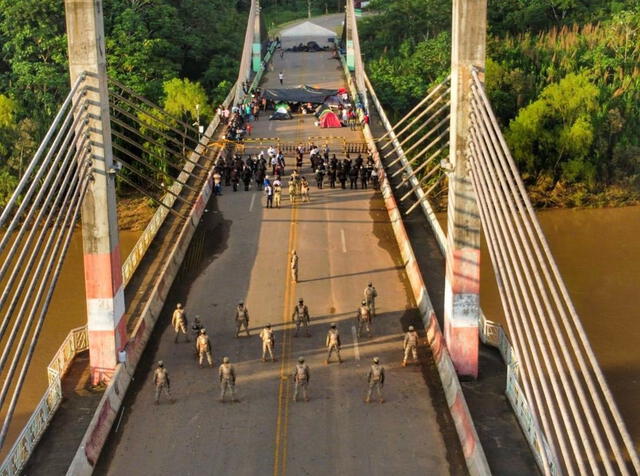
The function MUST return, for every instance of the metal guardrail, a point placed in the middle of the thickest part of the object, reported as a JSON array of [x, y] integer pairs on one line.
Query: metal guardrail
[[76, 341], [491, 333], [142, 245]]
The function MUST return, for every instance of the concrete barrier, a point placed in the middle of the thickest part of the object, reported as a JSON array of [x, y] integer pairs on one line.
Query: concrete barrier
[[98, 430], [472, 448]]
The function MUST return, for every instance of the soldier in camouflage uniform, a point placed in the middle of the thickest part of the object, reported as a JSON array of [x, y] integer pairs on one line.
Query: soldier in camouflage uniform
[[161, 381], [370, 295], [363, 318], [227, 376], [203, 345], [410, 345], [268, 341], [179, 322], [301, 317], [301, 379], [294, 266], [333, 343], [242, 318], [375, 379]]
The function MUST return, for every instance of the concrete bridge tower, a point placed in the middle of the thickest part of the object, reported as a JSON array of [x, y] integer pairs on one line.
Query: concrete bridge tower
[[462, 287], [102, 265]]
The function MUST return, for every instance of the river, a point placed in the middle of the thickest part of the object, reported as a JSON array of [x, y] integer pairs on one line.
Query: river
[[598, 253], [67, 310]]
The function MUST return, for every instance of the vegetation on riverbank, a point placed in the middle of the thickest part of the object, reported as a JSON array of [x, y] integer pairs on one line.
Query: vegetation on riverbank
[[563, 79], [150, 45]]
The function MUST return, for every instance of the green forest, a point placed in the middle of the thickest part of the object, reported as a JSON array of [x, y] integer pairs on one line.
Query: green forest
[[563, 77], [152, 46]]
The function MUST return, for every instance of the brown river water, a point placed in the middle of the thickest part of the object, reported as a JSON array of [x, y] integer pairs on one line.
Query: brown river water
[[598, 254], [67, 310]]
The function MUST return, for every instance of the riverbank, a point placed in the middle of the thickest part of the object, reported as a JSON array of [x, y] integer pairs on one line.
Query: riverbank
[[134, 213]]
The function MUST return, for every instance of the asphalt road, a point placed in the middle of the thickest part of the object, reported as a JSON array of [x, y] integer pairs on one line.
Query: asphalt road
[[344, 240]]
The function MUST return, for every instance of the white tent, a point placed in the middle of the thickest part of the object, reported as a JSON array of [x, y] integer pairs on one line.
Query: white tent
[[305, 32]]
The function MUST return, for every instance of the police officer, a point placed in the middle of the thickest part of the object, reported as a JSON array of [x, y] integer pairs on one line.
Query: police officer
[[301, 377], [179, 322], [375, 379], [268, 341], [294, 266], [333, 343], [242, 318], [370, 295], [301, 317], [363, 318], [227, 376], [203, 345], [161, 381], [410, 345]]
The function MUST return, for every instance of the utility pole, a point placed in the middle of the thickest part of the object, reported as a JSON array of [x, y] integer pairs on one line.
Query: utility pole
[[102, 264], [462, 285]]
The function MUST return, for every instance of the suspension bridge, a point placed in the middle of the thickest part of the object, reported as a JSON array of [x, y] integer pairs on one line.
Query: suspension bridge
[[441, 415]]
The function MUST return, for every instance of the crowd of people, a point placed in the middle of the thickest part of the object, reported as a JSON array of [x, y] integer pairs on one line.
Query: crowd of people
[[203, 349], [267, 171]]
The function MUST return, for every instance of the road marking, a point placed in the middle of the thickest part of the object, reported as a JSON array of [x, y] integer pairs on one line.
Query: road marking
[[282, 421], [344, 241], [356, 348], [253, 199]]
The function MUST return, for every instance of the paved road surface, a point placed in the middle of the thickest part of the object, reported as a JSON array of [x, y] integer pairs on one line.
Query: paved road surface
[[344, 240]]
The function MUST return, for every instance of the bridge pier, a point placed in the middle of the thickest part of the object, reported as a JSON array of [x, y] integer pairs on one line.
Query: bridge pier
[[462, 286], [102, 264]]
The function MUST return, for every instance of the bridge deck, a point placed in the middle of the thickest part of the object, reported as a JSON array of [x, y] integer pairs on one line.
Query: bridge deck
[[344, 240]]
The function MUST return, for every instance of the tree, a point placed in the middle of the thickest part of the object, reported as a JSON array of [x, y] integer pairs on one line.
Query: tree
[[185, 100], [554, 134]]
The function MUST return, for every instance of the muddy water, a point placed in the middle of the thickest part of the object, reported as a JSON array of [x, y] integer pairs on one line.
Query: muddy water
[[67, 310], [598, 253]]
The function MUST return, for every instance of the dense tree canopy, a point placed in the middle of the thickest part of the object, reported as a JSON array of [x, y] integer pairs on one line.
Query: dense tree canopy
[[562, 76], [149, 43]]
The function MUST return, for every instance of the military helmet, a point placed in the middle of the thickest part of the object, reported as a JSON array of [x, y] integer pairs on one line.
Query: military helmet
[[160, 363], [301, 359], [364, 302], [203, 331], [333, 325], [411, 328], [179, 306], [300, 300], [240, 302], [370, 283], [225, 360], [376, 360], [268, 326]]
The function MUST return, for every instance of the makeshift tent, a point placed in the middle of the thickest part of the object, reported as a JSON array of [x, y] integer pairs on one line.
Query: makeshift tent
[[329, 119], [282, 113], [304, 33], [301, 93], [335, 101]]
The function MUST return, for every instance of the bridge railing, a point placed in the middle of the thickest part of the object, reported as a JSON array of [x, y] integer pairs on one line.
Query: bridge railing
[[142, 245], [75, 342], [491, 333]]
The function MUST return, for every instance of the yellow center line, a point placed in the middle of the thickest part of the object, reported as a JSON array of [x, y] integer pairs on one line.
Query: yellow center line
[[280, 456]]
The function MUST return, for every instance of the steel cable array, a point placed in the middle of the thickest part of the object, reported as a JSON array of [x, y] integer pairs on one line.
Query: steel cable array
[[407, 135], [148, 142], [57, 179], [562, 380]]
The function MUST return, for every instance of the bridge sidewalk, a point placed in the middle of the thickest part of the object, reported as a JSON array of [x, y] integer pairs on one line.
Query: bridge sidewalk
[[504, 444]]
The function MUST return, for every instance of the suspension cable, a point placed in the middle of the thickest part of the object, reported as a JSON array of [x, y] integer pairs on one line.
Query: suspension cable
[[41, 148]]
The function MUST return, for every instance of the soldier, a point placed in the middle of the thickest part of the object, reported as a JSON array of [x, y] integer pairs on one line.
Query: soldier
[[410, 345], [301, 378], [333, 343], [304, 190], [301, 317], [370, 295], [203, 345], [294, 266], [268, 342], [227, 376], [363, 318], [161, 381], [242, 318], [376, 380], [179, 322]]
